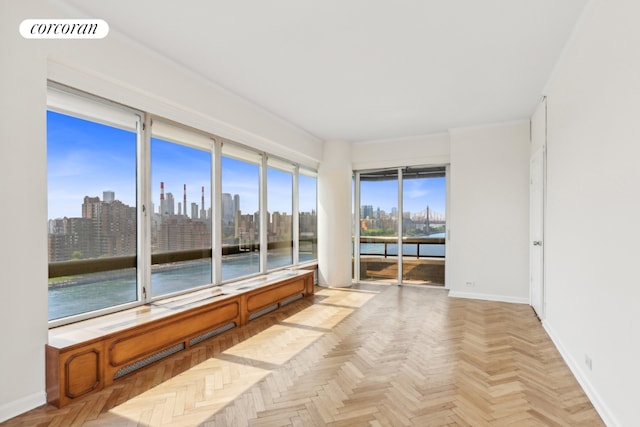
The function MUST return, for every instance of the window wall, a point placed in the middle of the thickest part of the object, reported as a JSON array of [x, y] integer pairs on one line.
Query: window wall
[[141, 208]]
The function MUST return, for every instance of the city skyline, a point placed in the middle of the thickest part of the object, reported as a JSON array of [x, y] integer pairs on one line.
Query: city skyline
[[418, 194], [86, 158]]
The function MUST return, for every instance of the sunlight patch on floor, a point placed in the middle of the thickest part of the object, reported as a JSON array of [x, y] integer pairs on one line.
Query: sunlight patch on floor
[[206, 388]]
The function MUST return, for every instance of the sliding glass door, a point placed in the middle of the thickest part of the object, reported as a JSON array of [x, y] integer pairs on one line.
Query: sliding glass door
[[400, 225], [378, 224], [423, 226]]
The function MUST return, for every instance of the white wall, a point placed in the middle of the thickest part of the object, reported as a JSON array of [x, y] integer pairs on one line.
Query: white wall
[[488, 217], [119, 69], [23, 218], [593, 207], [414, 151], [488, 184], [116, 69], [335, 203]]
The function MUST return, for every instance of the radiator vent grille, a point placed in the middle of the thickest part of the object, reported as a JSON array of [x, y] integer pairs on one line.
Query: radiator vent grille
[[263, 311], [290, 300], [210, 334], [148, 360]]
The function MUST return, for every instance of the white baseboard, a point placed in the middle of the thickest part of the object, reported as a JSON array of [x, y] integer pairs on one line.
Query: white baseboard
[[22, 405], [576, 369], [489, 297]]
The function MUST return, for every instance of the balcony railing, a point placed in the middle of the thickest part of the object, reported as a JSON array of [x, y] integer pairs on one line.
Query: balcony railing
[[98, 265], [423, 260], [411, 246]]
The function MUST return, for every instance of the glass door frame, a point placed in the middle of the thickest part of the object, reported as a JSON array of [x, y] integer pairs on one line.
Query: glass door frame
[[400, 221], [356, 224]]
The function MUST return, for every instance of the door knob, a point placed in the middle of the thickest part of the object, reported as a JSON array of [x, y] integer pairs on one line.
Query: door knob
[[537, 243]]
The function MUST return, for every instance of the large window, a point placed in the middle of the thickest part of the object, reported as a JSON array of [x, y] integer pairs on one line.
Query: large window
[[240, 207], [91, 164], [181, 218], [140, 209], [280, 207], [308, 221]]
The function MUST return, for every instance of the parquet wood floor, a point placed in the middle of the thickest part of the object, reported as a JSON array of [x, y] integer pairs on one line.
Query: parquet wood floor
[[371, 355]]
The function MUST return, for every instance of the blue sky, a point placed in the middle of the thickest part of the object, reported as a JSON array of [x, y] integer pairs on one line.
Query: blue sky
[[87, 158], [177, 165], [241, 178], [418, 193]]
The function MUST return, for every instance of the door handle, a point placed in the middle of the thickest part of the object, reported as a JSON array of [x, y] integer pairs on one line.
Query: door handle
[[537, 243]]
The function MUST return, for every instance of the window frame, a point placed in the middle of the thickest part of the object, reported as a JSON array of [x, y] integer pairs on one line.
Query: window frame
[[401, 174], [309, 173], [76, 103], [253, 157], [173, 133], [283, 166]]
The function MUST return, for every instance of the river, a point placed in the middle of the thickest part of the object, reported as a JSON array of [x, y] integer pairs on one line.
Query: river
[[108, 290]]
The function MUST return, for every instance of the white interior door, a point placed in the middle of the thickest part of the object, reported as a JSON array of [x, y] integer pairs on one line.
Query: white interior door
[[536, 206], [536, 231]]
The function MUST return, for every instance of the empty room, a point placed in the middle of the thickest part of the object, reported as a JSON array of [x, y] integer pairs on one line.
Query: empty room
[[299, 213]]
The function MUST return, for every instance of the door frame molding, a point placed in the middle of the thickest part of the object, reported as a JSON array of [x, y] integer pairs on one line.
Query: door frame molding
[[540, 150]]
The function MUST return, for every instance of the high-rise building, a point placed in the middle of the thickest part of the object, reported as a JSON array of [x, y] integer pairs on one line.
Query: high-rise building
[[194, 211], [177, 234], [203, 211], [236, 203], [108, 196], [170, 205], [106, 228], [227, 208], [163, 202]]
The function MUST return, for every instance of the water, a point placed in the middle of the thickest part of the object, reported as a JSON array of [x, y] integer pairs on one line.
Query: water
[[101, 290]]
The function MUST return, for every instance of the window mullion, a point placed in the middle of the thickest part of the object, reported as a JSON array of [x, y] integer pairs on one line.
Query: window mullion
[[263, 215], [216, 213], [356, 229], [295, 217], [144, 211], [400, 225]]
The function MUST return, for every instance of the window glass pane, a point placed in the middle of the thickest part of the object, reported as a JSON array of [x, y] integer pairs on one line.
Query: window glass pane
[[92, 214], [279, 219], [423, 227], [308, 238], [181, 223], [240, 218], [379, 226]]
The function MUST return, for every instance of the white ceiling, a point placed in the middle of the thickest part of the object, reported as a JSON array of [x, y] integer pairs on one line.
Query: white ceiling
[[361, 69]]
